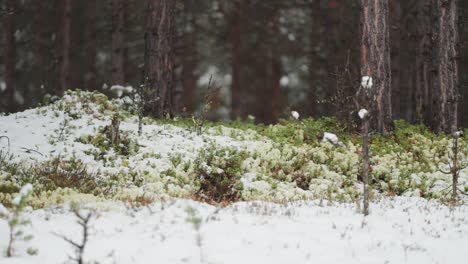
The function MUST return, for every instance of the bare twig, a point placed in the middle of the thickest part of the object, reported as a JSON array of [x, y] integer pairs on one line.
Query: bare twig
[[28, 150], [83, 221], [8, 139]]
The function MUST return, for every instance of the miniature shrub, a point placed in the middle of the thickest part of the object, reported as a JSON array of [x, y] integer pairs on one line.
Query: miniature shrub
[[217, 173], [58, 173]]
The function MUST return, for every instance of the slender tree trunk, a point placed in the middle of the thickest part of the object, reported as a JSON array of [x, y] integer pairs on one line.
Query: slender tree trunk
[[395, 39], [365, 166], [158, 69], [118, 44], [446, 93], [9, 54], [64, 58], [316, 59], [332, 37], [189, 78], [275, 72], [40, 42], [375, 60], [237, 21], [91, 44], [423, 77]]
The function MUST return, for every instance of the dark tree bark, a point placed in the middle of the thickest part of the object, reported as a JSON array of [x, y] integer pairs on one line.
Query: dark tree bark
[[395, 40], [237, 24], [64, 58], [189, 78], [159, 68], [276, 98], [446, 82], [9, 55], [91, 45], [375, 60], [333, 56], [423, 66], [118, 44], [40, 42], [315, 57]]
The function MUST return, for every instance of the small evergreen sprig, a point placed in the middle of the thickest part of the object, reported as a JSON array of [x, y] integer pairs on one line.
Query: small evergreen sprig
[[15, 218]]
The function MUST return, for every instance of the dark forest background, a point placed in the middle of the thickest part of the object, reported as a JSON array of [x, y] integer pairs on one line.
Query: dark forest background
[[268, 56]]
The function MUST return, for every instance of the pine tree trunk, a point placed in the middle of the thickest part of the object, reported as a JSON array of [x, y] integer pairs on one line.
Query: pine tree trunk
[[237, 22], [332, 62], [423, 76], [64, 58], [91, 45], [395, 39], [275, 72], [158, 69], [118, 45], [316, 59], [9, 55], [40, 43], [375, 60], [189, 78], [446, 41]]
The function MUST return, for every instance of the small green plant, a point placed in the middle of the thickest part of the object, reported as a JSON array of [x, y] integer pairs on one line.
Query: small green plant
[[199, 121], [455, 165], [15, 218], [218, 172], [60, 173]]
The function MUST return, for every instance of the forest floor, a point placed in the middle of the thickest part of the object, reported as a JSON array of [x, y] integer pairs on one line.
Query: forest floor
[[235, 193], [398, 230]]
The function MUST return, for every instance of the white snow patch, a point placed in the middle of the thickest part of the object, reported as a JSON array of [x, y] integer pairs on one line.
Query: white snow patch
[[398, 230], [119, 90], [330, 137], [295, 114], [23, 192], [366, 82], [3, 210], [363, 113]]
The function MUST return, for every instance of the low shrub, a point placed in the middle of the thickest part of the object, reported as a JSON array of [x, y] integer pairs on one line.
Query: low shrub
[[218, 172]]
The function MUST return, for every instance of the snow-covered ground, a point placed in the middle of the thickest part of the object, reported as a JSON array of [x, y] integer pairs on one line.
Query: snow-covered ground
[[168, 162], [399, 230]]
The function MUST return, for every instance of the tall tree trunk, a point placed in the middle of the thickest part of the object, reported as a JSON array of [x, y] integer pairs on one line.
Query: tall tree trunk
[[9, 55], [159, 68], [189, 78], [395, 39], [91, 45], [375, 60], [423, 77], [316, 56], [40, 43], [275, 78], [64, 58], [237, 23], [332, 37], [118, 43], [446, 93]]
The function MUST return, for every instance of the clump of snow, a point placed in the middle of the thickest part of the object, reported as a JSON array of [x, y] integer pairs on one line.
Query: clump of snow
[[363, 113], [27, 189], [458, 134], [330, 137], [366, 82], [295, 114], [3, 210], [119, 90]]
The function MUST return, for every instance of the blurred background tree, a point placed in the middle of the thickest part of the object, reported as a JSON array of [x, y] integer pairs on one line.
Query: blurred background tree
[[269, 57]]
